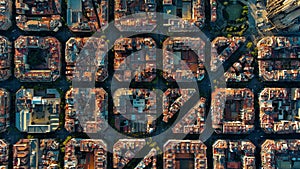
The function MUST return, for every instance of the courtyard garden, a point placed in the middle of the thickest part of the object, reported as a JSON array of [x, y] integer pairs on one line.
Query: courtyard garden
[[235, 14]]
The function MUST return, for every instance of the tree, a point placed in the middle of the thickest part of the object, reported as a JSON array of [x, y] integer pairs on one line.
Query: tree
[[62, 149], [249, 45], [67, 140], [243, 19], [245, 12], [30, 137], [240, 33]]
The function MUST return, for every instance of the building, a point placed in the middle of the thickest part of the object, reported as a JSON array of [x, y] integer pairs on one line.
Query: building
[[142, 15], [222, 49], [34, 15], [124, 150], [4, 109], [183, 59], [135, 110], [99, 49], [213, 10], [87, 15], [135, 58], [37, 59], [77, 108], [34, 153], [85, 153], [5, 57], [188, 15], [37, 111], [150, 160], [193, 122], [284, 14], [242, 70], [173, 100], [278, 58], [4, 153], [233, 154], [185, 154], [5, 14], [280, 110], [232, 110], [281, 154]]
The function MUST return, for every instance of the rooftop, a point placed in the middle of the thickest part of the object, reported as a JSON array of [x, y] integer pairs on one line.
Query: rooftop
[[85, 153], [38, 15], [5, 58], [124, 150], [185, 154], [183, 59], [149, 160], [144, 21], [278, 16], [232, 110], [280, 154], [135, 110], [37, 111], [74, 56], [222, 49], [173, 99], [213, 10], [87, 15], [4, 153], [191, 15], [77, 118], [34, 153], [193, 122], [135, 58], [278, 58], [234, 154], [37, 59], [5, 14], [4, 109], [280, 110], [242, 70]]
